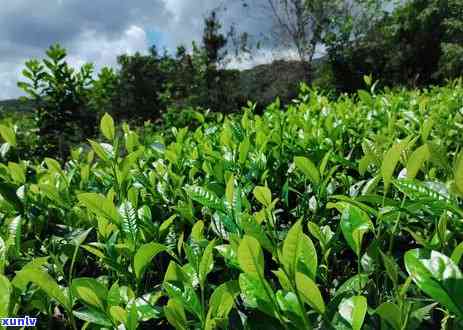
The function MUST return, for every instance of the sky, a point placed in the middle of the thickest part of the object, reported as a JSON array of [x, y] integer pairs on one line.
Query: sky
[[98, 31]]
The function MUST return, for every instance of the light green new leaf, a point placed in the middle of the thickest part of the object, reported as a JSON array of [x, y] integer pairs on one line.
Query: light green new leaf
[[459, 174], [353, 310], [207, 263], [416, 160], [99, 150], [263, 195], [17, 172], [221, 302], [5, 294], [309, 169], [354, 224], [457, 253], [8, 135], [100, 205], [390, 160], [250, 256], [438, 276], [107, 127], [90, 291], [299, 253], [144, 255], [309, 292]]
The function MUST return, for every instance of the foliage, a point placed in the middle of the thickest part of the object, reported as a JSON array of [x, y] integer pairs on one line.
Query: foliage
[[60, 94], [340, 214], [418, 44]]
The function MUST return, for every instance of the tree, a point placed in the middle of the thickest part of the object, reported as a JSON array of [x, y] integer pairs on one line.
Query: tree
[[61, 95]]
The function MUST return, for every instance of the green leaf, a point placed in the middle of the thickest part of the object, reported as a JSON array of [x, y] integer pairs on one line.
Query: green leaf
[[129, 221], [5, 294], [308, 168], [222, 301], [229, 191], [438, 276], [353, 310], [309, 292], [391, 314], [390, 160], [457, 253], [45, 282], [416, 160], [250, 256], [354, 224], [100, 205], [175, 314], [263, 195], [206, 264], [93, 316], [204, 197], [99, 150], [107, 127], [144, 255], [299, 253], [17, 172], [459, 174], [90, 291], [8, 135], [255, 293], [392, 269]]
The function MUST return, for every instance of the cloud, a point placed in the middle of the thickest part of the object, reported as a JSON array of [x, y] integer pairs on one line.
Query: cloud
[[99, 30]]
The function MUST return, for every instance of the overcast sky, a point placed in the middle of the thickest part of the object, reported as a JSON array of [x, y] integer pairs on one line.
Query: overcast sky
[[99, 30]]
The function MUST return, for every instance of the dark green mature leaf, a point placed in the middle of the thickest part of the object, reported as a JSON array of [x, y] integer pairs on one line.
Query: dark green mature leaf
[[438, 276], [45, 282], [93, 316], [175, 314], [391, 314], [204, 197]]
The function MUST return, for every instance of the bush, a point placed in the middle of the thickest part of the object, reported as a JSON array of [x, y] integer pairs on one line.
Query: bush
[[297, 219]]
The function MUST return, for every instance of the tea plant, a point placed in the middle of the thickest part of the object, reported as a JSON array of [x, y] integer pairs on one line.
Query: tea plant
[[341, 214]]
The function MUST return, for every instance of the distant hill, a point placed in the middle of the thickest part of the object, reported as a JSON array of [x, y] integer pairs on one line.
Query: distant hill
[[16, 105]]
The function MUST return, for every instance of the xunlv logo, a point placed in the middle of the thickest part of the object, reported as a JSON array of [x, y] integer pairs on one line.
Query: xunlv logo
[[18, 321]]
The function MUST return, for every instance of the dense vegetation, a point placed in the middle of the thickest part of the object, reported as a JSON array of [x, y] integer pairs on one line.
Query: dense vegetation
[[340, 214]]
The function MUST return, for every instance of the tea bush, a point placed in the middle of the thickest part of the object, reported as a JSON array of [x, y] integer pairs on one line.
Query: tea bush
[[342, 214]]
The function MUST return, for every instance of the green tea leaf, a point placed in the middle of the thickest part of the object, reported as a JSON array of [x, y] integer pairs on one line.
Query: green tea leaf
[[354, 224], [8, 135], [107, 127], [308, 168], [299, 253], [250, 256], [144, 255], [391, 314], [353, 310], [175, 314], [416, 160], [5, 294], [90, 291], [438, 276], [309, 292], [206, 264], [263, 195]]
